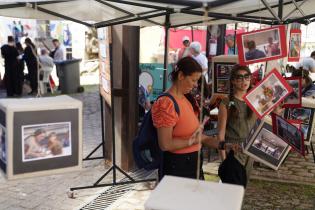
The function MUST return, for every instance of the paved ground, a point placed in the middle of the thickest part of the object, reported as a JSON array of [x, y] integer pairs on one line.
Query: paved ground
[[50, 192]]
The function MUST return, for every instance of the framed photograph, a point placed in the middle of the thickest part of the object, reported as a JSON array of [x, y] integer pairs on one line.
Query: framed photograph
[[258, 71], [305, 116], [266, 147], [261, 45], [294, 45], [221, 70], [289, 133], [267, 94], [296, 123], [43, 141], [295, 98]]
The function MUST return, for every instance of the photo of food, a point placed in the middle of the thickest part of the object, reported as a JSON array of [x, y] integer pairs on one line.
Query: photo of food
[[267, 94]]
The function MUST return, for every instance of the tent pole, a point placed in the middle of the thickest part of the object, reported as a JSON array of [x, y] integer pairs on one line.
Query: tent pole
[[124, 11], [225, 16], [36, 7], [166, 43], [104, 24], [280, 9], [273, 13]]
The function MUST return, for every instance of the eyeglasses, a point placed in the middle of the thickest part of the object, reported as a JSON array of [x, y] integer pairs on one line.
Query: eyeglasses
[[241, 77]]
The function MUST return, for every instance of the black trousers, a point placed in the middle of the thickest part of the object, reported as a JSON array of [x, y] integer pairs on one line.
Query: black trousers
[[32, 72], [182, 165]]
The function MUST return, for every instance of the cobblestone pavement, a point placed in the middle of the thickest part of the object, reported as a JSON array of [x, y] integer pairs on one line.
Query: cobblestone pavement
[[50, 192]]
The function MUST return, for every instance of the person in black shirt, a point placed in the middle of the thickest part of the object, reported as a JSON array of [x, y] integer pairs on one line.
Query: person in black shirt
[[21, 66], [10, 55], [30, 57]]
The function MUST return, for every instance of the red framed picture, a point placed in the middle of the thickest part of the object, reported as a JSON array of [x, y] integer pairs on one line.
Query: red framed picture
[[267, 94], [294, 45], [296, 123], [294, 100], [262, 45], [288, 133]]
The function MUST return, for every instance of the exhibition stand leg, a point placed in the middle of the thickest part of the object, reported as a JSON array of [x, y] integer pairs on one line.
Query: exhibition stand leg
[[312, 148], [114, 168]]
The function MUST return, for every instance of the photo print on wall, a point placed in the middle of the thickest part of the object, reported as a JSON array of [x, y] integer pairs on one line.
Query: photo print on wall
[[262, 45]]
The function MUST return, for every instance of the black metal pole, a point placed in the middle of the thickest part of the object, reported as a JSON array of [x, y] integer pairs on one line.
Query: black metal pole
[[112, 101], [198, 4], [59, 15], [122, 10], [300, 18], [280, 9], [166, 40], [103, 125], [235, 30], [133, 3], [192, 33], [226, 16], [104, 24]]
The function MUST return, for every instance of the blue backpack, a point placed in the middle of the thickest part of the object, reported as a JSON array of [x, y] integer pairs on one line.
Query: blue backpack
[[146, 150]]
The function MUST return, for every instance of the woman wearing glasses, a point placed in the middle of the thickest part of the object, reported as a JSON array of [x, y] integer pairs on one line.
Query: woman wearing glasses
[[235, 118]]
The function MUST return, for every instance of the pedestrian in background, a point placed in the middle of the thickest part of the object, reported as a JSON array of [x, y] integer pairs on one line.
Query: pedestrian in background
[[10, 55]]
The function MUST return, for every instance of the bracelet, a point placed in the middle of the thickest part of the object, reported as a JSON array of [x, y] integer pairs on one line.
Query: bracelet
[[221, 145]]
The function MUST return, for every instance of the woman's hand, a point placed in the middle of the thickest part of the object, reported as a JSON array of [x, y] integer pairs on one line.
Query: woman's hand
[[197, 135], [235, 147]]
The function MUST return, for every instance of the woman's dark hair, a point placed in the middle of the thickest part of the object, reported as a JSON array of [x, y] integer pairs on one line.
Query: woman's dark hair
[[232, 110], [28, 41], [187, 66], [304, 74]]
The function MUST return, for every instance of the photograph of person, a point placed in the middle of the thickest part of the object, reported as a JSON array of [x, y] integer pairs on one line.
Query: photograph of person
[[289, 133], [223, 70], [221, 78], [294, 45], [3, 156], [258, 72], [266, 147], [267, 94], [43, 141], [295, 98], [261, 45]]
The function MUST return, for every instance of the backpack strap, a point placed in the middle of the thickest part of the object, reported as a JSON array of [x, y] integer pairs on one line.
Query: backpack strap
[[173, 99]]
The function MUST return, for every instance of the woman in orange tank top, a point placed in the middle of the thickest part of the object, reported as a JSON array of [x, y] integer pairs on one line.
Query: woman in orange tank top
[[178, 134]]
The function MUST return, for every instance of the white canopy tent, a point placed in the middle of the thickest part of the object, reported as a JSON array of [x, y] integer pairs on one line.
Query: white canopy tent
[[101, 13]]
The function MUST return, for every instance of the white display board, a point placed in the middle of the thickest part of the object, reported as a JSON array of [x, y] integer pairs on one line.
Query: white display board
[[174, 193], [40, 136]]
